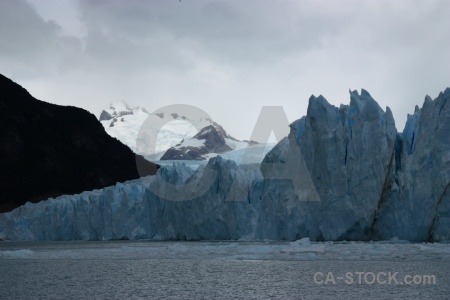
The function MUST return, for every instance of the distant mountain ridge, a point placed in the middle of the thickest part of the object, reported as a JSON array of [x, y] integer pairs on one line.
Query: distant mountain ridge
[[47, 150], [118, 110]]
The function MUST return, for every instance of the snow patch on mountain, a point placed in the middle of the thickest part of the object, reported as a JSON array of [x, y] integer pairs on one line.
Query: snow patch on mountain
[[190, 143]]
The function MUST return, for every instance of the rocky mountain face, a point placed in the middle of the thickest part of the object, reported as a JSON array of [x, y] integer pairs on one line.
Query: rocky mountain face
[[48, 150], [119, 110], [210, 139], [342, 174]]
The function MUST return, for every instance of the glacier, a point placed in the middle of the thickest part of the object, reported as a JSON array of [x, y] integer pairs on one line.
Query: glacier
[[342, 173], [139, 209], [416, 204]]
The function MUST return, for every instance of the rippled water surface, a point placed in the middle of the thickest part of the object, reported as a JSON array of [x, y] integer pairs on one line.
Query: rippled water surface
[[196, 270]]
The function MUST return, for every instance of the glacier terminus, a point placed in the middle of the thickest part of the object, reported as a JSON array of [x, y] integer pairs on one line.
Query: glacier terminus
[[360, 180]]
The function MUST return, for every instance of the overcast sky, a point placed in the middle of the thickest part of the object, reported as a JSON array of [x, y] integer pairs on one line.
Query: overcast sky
[[229, 58]]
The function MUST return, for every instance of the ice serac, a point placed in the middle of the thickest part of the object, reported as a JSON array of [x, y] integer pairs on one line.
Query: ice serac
[[347, 152], [417, 203]]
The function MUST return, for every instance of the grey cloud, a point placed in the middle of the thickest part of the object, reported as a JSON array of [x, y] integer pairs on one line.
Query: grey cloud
[[232, 57], [29, 46], [234, 32]]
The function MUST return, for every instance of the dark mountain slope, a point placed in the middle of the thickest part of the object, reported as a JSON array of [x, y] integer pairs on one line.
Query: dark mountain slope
[[47, 150]]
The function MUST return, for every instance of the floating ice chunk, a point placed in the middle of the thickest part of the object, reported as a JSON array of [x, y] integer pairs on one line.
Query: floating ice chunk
[[22, 253], [303, 241]]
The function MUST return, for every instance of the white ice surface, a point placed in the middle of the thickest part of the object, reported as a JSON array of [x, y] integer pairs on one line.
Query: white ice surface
[[191, 143], [244, 154], [169, 135]]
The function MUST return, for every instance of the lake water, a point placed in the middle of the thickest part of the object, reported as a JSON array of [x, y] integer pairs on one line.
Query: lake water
[[225, 270]]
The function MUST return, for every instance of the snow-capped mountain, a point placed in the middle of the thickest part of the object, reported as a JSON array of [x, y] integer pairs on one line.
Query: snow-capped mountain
[[178, 139], [124, 123]]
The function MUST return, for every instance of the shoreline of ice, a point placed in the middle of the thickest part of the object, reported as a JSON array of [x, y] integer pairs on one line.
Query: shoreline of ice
[[301, 250]]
